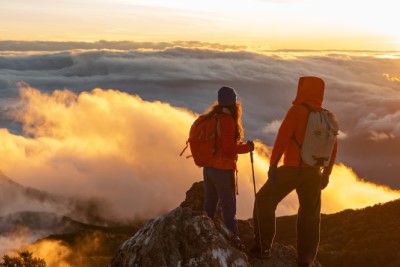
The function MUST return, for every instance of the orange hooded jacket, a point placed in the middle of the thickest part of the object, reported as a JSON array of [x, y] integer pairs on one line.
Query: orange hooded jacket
[[310, 91]]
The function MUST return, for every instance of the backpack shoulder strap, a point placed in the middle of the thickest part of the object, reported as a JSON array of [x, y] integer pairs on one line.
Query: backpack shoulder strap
[[307, 106], [309, 109], [217, 133]]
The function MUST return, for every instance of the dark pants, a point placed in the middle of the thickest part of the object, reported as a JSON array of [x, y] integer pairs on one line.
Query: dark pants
[[219, 185], [307, 183]]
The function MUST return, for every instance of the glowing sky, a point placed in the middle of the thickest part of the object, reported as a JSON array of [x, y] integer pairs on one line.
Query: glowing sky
[[266, 24]]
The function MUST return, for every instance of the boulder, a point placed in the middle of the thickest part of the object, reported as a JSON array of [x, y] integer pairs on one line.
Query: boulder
[[183, 237], [187, 237]]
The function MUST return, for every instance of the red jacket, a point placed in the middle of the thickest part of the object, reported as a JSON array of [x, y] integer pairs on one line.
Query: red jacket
[[227, 148], [311, 91]]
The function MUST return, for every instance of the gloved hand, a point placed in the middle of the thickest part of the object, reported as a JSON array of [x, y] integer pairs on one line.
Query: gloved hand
[[325, 179], [272, 174], [251, 145]]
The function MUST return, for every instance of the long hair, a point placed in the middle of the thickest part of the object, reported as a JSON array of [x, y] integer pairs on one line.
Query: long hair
[[236, 112]]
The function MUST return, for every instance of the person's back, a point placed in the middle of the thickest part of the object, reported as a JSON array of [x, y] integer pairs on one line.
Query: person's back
[[294, 174], [219, 174], [291, 133]]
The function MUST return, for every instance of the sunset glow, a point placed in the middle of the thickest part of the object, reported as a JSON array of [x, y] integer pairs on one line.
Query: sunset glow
[[257, 24]]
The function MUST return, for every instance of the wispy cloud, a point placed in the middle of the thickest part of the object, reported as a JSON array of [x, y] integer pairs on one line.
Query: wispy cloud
[[110, 45]]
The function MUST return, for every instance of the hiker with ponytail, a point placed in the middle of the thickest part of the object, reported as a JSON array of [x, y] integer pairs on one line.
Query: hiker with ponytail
[[219, 174]]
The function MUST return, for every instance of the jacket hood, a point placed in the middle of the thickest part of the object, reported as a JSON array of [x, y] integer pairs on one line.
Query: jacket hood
[[310, 90]]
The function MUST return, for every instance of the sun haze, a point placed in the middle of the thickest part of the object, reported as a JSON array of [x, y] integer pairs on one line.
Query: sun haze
[[255, 24]]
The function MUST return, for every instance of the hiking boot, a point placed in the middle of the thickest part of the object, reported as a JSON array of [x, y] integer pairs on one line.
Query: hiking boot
[[264, 254], [239, 245]]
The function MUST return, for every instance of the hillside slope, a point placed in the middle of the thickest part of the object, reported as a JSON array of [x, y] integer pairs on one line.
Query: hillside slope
[[367, 237]]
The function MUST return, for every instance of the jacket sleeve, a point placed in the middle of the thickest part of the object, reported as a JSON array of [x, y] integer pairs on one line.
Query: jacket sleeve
[[285, 134], [227, 129]]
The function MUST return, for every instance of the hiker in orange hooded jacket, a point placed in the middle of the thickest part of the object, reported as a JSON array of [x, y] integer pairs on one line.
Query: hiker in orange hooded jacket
[[308, 181], [219, 174]]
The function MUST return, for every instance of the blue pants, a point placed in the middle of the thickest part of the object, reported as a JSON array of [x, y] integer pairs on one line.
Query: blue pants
[[219, 185]]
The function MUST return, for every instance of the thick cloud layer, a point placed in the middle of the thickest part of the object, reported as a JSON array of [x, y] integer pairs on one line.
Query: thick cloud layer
[[113, 146], [361, 87]]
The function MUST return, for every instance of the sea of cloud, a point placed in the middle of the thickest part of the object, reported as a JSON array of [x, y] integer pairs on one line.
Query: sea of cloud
[[362, 87], [123, 150]]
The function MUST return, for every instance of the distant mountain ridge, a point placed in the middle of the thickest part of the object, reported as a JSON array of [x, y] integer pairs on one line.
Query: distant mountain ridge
[[12, 191], [41, 222], [17, 198]]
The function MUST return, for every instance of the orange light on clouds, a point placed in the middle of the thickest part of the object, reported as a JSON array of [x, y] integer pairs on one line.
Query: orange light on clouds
[[391, 77], [115, 146], [55, 253]]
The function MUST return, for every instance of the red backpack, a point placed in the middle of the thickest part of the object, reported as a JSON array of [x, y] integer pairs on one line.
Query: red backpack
[[202, 140]]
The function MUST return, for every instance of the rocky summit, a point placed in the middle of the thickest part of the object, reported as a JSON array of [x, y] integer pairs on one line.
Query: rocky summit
[[188, 237], [183, 237]]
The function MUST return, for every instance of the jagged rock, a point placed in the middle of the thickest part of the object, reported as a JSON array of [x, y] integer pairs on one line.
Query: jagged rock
[[183, 237], [194, 197], [187, 237]]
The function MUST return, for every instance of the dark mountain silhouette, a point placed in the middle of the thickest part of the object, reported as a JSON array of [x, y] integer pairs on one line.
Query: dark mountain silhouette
[[367, 237], [39, 222]]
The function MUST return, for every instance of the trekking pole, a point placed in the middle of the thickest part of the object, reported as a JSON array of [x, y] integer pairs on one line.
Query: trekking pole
[[255, 202]]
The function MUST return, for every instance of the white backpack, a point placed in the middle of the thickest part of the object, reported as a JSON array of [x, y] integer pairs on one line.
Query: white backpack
[[320, 137]]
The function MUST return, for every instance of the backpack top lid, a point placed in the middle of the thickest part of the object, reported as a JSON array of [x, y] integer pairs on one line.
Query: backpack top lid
[[310, 90]]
